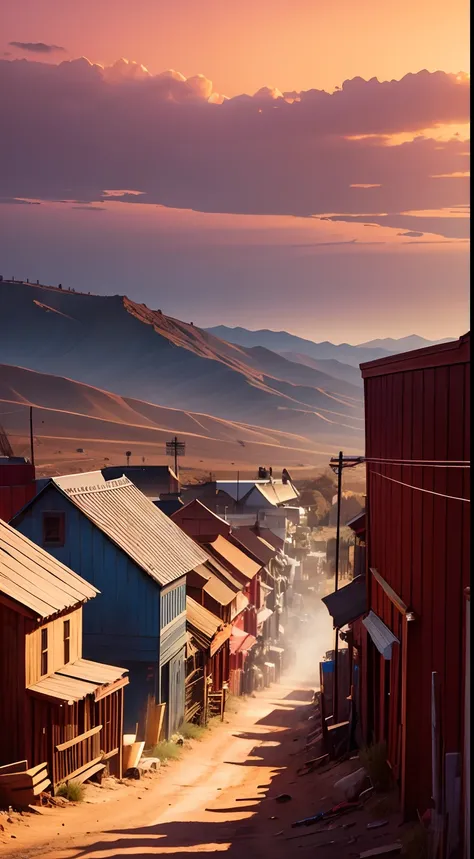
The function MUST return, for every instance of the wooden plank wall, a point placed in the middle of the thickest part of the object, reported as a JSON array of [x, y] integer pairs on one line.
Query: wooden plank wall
[[55, 645], [13, 716], [419, 543]]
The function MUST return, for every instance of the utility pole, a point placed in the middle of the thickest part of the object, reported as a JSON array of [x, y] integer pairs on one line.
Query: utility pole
[[32, 442], [336, 584], [175, 449], [238, 485]]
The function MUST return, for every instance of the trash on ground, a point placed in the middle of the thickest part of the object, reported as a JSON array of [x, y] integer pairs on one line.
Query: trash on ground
[[352, 785], [386, 850], [283, 797], [377, 824]]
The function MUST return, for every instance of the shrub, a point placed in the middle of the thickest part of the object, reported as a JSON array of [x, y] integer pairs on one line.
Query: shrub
[[73, 791], [191, 731], [374, 759], [166, 751]]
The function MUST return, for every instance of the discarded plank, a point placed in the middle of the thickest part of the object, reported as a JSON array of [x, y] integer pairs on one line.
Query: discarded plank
[[386, 850]]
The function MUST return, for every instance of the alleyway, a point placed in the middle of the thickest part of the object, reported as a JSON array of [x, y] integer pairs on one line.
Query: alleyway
[[219, 799]]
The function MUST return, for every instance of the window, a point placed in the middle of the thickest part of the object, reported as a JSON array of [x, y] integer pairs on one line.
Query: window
[[53, 529], [44, 651], [67, 640]]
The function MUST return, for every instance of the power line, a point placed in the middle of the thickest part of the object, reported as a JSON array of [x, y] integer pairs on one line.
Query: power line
[[422, 463], [420, 489]]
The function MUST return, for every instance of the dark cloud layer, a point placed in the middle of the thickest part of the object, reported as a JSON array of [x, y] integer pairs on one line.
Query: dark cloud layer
[[77, 129], [37, 47]]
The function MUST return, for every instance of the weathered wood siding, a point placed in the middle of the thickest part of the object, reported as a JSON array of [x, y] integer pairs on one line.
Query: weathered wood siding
[[55, 645], [13, 713], [417, 409], [122, 624]]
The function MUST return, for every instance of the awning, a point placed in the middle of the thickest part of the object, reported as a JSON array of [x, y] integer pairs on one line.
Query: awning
[[208, 631], [219, 590], [381, 635], [239, 605], [81, 678], [263, 615], [348, 603], [240, 641]]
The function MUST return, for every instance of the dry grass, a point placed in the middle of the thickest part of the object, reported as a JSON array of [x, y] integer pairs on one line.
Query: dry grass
[[166, 751], [191, 731], [374, 760], [73, 791]]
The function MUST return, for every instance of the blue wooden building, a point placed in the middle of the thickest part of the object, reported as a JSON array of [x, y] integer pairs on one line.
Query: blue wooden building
[[117, 539]]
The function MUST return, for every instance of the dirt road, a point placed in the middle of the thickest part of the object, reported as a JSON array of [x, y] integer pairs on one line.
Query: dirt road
[[219, 799]]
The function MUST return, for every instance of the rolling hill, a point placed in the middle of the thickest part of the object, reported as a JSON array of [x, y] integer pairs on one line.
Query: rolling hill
[[118, 346], [81, 427]]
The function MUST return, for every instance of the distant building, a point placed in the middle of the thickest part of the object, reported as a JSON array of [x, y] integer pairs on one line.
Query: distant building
[[17, 485], [153, 480]]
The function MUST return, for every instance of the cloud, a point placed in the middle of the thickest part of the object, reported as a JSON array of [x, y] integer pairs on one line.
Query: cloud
[[186, 146], [37, 47], [411, 234]]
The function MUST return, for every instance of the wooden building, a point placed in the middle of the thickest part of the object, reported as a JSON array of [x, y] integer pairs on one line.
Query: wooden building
[[207, 662], [55, 706], [416, 634], [111, 533], [17, 485]]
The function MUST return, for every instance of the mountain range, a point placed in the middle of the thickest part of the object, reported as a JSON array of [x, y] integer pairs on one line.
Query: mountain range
[[117, 346], [294, 347], [106, 373]]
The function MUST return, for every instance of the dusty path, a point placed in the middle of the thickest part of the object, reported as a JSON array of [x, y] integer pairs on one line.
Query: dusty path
[[219, 799], [197, 805]]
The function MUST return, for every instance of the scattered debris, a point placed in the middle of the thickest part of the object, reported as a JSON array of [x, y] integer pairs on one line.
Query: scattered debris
[[377, 824], [365, 794], [386, 850], [283, 797], [149, 764], [132, 772], [308, 821], [351, 786]]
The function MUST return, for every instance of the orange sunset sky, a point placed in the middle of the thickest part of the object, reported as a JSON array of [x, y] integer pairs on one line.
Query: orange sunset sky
[[321, 190]]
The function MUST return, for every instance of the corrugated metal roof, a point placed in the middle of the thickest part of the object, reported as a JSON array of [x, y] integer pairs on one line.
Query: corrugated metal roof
[[241, 603], [77, 680], [235, 557], [348, 603], [207, 630], [269, 537], [36, 579], [258, 548], [240, 641], [277, 493], [128, 518], [218, 568], [380, 634], [201, 619], [218, 590]]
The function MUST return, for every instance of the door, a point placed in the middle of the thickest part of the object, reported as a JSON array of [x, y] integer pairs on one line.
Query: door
[[175, 672]]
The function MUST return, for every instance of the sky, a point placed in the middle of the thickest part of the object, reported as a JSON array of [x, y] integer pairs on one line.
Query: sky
[[283, 163]]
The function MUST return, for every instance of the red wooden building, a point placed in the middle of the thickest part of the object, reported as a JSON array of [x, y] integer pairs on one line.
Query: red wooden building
[[17, 485], [415, 637]]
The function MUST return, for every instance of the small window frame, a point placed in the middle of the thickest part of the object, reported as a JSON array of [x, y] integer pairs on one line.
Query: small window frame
[[49, 543], [67, 640], [44, 651]]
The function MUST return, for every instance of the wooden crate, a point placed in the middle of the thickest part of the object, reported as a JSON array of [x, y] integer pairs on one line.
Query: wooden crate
[[19, 786]]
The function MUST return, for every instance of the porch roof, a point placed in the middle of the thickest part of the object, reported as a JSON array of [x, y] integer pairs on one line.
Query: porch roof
[[78, 679], [348, 603]]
